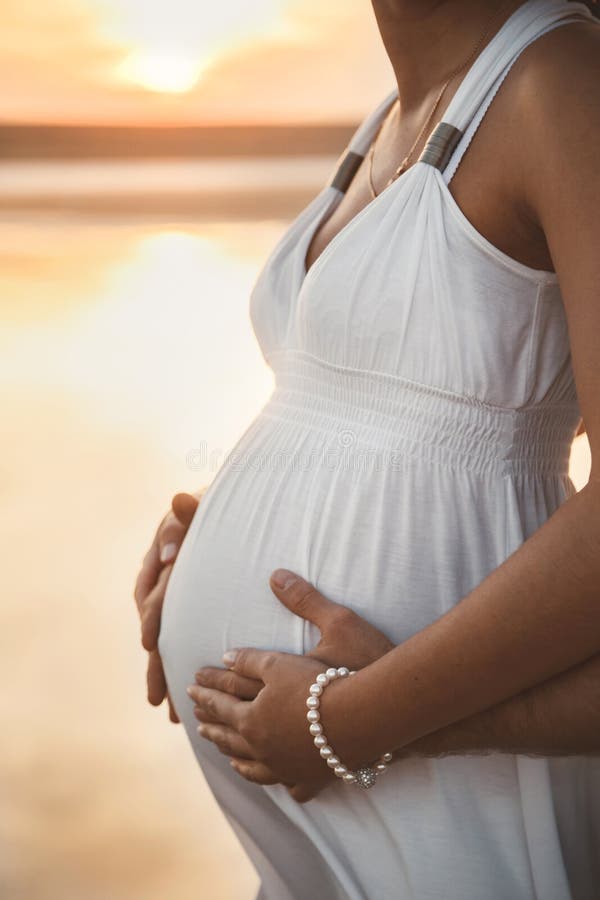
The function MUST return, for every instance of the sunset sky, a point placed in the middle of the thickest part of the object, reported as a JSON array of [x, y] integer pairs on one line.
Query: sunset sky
[[189, 61]]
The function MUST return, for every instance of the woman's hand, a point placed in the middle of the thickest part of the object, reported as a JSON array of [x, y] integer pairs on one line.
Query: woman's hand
[[152, 583], [255, 711]]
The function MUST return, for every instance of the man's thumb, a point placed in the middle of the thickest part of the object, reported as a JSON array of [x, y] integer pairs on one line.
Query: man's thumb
[[184, 506], [302, 598]]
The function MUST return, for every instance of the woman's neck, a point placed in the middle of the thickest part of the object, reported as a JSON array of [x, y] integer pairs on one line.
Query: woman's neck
[[426, 39]]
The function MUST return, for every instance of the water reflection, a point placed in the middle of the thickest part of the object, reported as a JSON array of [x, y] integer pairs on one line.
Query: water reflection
[[122, 347]]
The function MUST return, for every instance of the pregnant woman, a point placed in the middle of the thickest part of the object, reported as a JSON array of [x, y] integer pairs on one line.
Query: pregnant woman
[[432, 322]]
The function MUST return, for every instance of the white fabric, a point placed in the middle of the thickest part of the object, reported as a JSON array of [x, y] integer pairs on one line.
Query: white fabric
[[418, 432]]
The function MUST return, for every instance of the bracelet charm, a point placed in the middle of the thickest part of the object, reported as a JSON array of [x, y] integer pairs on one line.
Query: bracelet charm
[[366, 776]]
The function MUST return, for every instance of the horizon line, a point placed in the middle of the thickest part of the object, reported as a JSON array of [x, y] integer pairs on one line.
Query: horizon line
[[176, 125]]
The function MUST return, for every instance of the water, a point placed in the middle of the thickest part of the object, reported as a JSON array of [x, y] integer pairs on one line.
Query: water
[[141, 176], [125, 346]]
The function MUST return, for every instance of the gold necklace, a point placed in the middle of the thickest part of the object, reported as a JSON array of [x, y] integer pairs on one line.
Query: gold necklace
[[406, 161]]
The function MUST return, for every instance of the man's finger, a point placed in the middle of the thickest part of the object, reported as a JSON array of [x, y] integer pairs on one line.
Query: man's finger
[[174, 529], [303, 599], [166, 543], [300, 793], [170, 538], [184, 507], [152, 611], [229, 681], [254, 771], [155, 679], [250, 662], [172, 711], [227, 740], [151, 564], [148, 574], [215, 706]]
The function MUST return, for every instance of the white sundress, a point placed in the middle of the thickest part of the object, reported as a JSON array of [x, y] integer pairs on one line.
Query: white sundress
[[419, 431]]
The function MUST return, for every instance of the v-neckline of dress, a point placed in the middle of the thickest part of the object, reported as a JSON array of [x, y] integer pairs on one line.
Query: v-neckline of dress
[[333, 194], [329, 209]]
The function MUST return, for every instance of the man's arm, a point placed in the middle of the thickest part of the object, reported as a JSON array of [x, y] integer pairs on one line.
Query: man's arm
[[560, 717]]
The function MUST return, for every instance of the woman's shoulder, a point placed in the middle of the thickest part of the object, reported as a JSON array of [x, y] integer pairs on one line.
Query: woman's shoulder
[[559, 73], [554, 105]]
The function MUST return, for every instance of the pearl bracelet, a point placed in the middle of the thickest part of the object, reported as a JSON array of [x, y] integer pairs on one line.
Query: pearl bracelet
[[366, 776]]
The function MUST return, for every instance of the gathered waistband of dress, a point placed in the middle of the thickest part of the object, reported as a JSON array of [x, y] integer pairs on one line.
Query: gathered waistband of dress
[[376, 412]]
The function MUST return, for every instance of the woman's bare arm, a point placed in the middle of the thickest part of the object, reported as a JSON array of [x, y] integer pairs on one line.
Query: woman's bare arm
[[538, 614], [535, 616]]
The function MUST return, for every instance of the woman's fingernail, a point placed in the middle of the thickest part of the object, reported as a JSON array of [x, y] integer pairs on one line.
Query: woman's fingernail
[[189, 691], [168, 552], [229, 657], [283, 578]]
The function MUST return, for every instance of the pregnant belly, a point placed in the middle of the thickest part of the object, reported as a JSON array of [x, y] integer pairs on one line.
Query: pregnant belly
[[399, 544], [268, 507], [374, 537]]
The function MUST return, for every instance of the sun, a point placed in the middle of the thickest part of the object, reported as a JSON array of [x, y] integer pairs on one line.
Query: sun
[[161, 72], [168, 44]]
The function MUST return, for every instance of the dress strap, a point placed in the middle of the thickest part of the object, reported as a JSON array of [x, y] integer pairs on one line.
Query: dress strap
[[449, 141], [349, 162]]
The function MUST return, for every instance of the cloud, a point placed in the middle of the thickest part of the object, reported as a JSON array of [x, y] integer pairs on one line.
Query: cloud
[[50, 57], [59, 61], [309, 73]]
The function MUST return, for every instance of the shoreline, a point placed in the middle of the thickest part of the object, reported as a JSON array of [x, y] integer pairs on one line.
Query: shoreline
[[46, 142]]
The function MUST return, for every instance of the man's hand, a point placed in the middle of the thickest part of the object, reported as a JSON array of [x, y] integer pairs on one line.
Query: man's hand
[[222, 696], [151, 585]]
